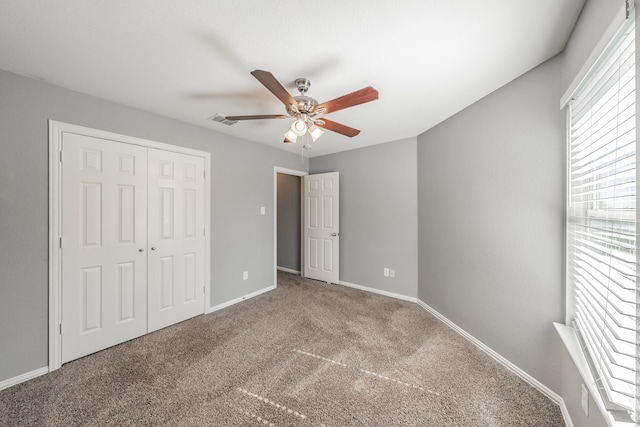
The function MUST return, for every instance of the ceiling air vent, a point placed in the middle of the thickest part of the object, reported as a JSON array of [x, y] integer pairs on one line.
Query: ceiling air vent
[[222, 119]]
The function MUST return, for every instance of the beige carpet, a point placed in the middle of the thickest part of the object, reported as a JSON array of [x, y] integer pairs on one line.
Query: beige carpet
[[305, 354]]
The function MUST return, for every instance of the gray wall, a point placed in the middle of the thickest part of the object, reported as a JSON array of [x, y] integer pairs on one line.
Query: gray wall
[[378, 214], [242, 182], [571, 389], [491, 219], [288, 221], [491, 205]]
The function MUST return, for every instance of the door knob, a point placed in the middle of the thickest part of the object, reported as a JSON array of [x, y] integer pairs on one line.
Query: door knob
[[141, 250], [153, 248], [335, 234]]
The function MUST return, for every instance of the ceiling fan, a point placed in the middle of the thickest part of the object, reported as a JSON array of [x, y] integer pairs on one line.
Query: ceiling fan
[[306, 111]]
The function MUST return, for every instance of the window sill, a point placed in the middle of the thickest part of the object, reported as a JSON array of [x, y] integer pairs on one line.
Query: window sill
[[570, 340]]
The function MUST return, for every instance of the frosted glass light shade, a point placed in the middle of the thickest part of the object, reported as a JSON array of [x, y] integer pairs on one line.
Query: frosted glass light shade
[[315, 132], [299, 127], [289, 136]]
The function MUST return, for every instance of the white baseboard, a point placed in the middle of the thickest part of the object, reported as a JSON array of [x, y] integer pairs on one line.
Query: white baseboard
[[23, 377], [506, 363], [288, 270], [240, 299], [378, 291]]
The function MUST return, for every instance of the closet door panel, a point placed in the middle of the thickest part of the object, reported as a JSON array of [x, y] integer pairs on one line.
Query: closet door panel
[[176, 238], [104, 238]]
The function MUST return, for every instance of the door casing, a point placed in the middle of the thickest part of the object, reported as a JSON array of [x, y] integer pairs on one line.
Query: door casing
[[301, 174], [56, 130]]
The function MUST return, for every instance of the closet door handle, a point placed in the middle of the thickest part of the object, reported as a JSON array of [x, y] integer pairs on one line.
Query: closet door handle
[[153, 248], [141, 250]]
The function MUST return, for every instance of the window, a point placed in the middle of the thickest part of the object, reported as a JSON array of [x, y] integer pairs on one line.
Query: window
[[601, 224]]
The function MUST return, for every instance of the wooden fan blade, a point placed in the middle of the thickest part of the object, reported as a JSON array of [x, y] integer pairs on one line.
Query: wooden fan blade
[[361, 96], [274, 86], [337, 127], [258, 117]]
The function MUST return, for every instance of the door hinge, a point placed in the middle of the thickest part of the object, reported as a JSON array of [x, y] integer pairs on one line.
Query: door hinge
[[204, 174], [60, 156], [60, 242], [204, 232], [204, 290], [60, 328]]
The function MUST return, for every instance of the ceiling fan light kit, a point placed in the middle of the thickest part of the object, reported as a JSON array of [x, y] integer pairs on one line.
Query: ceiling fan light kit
[[305, 110]]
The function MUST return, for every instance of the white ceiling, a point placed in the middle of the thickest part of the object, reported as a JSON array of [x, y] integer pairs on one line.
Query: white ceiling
[[191, 59]]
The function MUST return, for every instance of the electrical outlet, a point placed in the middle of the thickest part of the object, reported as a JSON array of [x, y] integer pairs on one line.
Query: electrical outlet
[[245, 275], [385, 271], [585, 400], [392, 273]]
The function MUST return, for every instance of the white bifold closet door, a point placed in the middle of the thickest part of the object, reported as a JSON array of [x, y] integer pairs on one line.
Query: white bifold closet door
[[132, 242], [176, 238]]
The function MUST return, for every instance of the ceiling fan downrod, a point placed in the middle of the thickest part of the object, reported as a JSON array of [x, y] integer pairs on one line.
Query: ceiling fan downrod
[[303, 84]]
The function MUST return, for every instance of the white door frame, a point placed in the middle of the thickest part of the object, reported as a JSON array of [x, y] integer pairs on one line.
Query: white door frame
[[56, 130], [276, 171]]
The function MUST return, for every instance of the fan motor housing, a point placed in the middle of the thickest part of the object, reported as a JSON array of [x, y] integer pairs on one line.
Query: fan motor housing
[[304, 104]]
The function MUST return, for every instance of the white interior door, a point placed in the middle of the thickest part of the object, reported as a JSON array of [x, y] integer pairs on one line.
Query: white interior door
[[104, 263], [321, 227], [176, 237]]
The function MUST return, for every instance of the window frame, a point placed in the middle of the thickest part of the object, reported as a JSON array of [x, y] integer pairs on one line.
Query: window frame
[[569, 336]]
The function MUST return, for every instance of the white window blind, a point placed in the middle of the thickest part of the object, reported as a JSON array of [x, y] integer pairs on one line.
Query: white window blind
[[601, 221]]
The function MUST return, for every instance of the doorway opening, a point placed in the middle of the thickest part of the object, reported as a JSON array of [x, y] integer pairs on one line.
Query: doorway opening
[[288, 248]]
